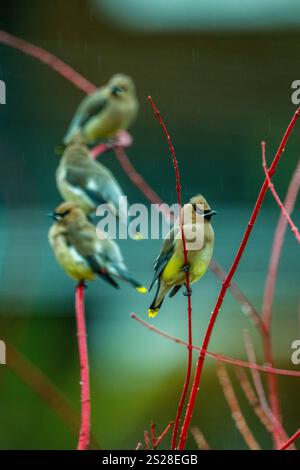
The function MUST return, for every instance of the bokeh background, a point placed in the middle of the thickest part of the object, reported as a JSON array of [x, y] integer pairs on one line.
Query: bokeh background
[[221, 75]]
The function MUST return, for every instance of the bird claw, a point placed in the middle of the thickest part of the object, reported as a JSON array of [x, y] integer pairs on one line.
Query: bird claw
[[186, 268], [188, 292]]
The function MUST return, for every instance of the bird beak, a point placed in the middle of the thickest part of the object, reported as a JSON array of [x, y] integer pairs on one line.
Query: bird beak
[[54, 216], [115, 90], [209, 214]]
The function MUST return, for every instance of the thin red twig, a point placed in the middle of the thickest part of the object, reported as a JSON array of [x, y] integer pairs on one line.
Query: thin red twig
[[84, 435], [50, 59], [122, 139], [255, 375], [226, 284], [278, 431], [146, 438], [153, 438], [163, 435], [236, 412], [245, 304], [291, 440], [216, 356], [276, 197], [252, 399], [99, 149], [187, 277], [289, 203], [138, 180], [199, 438]]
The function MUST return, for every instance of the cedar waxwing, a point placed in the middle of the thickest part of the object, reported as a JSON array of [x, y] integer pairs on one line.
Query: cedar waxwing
[[84, 255], [103, 113], [87, 183], [170, 268]]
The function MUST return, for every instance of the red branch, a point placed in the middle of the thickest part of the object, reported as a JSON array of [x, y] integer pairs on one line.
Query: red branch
[[122, 139], [236, 412], [163, 435], [245, 304], [291, 440], [278, 431], [187, 277], [289, 203], [84, 435], [153, 438], [146, 439], [138, 180], [47, 58], [216, 356], [252, 399], [226, 284], [200, 438], [276, 197]]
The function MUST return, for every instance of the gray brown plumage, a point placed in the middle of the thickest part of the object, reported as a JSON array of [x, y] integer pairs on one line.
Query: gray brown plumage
[[170, 264], [82, 180], [83, 253], [102, 114]]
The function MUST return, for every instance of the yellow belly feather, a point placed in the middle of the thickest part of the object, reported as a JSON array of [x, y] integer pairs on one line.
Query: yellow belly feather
[[173, 274]]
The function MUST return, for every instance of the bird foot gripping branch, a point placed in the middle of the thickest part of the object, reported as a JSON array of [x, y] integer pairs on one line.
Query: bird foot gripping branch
[[186, 268], [188, 292], [122, 139]]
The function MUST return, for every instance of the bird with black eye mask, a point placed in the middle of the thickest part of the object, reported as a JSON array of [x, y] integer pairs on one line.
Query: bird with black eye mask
[[170, 267], [103, 113], [206, 213], [85, 253]]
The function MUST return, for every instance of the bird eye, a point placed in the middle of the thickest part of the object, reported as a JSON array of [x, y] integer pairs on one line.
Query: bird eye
[[63, 214], [116, 90], [198, 209]]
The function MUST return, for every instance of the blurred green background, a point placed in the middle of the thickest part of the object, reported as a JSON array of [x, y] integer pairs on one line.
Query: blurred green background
[[222, 80]]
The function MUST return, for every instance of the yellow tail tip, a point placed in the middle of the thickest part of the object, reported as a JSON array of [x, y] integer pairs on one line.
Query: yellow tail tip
[[138, 236], [142, 289], [152, 312]]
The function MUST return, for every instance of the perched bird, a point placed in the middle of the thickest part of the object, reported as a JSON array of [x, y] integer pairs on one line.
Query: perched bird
[[170, 268], [103, 113], [87, 183], [84, 255]]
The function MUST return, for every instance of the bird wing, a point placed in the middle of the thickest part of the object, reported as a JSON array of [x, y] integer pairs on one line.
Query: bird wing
[[87, 246], [91, 106], [103, 185], [95, 264], [165, 254], [91, 184]]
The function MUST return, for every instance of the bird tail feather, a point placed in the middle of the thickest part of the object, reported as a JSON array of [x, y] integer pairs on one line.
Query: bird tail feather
[[108, 278], [174, 291], [127, 277], [157, 302]]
